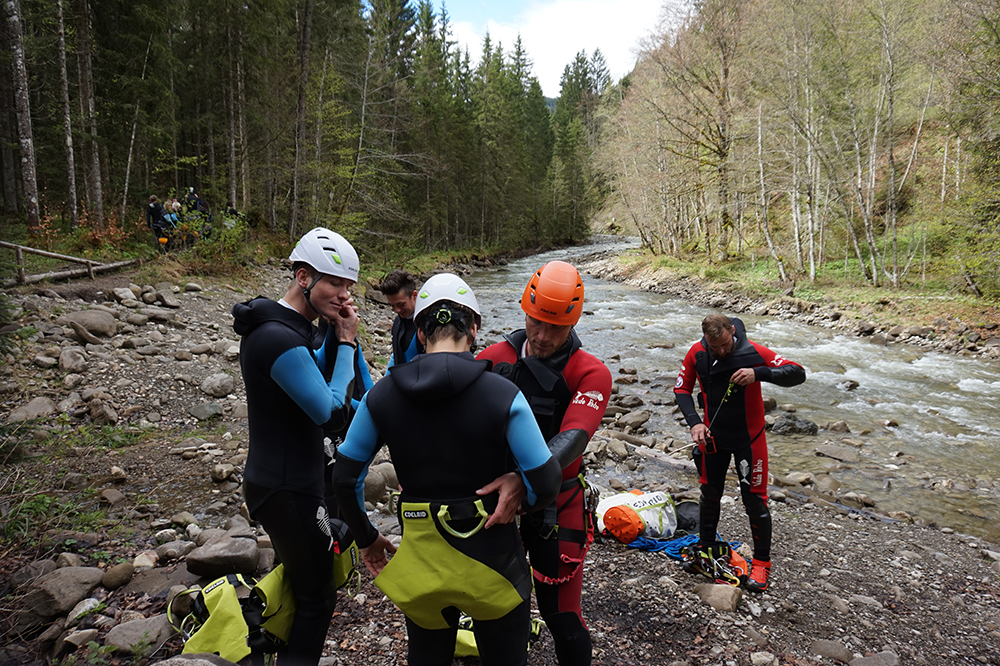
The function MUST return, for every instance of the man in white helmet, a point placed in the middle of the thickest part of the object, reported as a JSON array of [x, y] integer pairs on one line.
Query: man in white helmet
[[293, 393], [428, 411]]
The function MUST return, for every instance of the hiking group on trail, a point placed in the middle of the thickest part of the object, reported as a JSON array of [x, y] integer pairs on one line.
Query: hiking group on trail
[[488, 452], [183, 222]]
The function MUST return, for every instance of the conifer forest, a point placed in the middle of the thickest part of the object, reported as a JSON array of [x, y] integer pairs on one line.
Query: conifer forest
[[848, 137]]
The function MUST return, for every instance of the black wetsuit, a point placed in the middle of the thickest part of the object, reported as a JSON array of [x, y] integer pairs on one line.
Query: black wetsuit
[[289, 403], [452, 427], [405, 343]]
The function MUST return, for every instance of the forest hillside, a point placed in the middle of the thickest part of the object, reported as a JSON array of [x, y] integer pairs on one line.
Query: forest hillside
[[799, 140]]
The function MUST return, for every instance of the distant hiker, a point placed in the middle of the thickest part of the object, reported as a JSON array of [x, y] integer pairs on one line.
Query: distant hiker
[[729, 369], [231, 217], [451, 426], [568, 390], [154, 213], [293, 393], [400, 289], [191, 201], [158, 222]]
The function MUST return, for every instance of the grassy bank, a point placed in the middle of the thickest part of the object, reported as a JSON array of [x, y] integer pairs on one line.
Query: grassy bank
[[918, 300]]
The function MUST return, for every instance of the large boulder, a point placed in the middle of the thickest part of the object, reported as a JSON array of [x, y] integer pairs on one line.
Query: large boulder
[[218, 385], [97, 322], [789, 424], [634, 420], [224, 556], [73, 359], [140, 637], [38, 408], [58, 592]]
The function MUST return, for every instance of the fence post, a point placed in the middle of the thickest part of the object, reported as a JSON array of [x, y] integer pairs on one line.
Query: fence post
[[20, 265]]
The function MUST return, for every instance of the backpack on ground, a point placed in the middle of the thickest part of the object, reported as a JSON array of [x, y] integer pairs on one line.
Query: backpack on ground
[[236, 617], [628, 516]]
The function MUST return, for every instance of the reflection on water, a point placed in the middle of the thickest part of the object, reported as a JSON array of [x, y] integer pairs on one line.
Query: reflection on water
[[942, 460]]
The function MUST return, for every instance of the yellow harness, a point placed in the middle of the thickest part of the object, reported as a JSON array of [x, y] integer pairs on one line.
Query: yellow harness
[[446, 559]]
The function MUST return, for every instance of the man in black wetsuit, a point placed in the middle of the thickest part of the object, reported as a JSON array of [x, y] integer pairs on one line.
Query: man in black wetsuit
[[400, 289], [290, 403]]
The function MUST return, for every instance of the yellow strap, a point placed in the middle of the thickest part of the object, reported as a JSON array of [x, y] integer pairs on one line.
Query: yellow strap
[[444, 517]]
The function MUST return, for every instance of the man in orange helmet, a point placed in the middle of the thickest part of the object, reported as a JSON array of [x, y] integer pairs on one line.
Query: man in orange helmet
[[568, 390]]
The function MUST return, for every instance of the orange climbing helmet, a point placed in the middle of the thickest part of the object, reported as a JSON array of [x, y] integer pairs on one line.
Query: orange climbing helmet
[[554, 294]]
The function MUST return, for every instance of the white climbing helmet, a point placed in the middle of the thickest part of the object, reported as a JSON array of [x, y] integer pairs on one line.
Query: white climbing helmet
[[446, 287], [327, 252]]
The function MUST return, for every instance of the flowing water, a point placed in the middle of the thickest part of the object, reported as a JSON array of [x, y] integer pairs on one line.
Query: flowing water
[[941, 462]]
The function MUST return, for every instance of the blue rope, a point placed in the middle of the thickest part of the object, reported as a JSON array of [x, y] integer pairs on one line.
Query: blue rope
[[672, 547]]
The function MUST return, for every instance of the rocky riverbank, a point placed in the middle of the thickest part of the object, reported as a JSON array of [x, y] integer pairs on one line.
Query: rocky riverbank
[[850, 585], [885, 320]]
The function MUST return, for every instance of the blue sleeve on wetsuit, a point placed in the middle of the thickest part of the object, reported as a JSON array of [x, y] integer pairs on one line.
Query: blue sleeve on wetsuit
[[411, 351], [360, 444], [408, 355], [366, 376], [297, 374], [526, 441], [329, 342]]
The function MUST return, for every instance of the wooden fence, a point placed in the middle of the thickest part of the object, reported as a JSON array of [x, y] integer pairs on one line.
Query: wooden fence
[[90, 269]]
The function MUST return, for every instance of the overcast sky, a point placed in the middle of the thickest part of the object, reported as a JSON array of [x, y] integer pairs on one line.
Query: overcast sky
[[553, 31]]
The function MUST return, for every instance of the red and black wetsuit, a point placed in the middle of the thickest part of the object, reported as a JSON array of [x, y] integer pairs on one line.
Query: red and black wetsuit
[[568, 392], [735, 416]]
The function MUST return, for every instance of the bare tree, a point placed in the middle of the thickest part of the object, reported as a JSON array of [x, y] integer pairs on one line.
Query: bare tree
[[92, 171], [25, 138], [303, 17], [698, 66], [67, 119]]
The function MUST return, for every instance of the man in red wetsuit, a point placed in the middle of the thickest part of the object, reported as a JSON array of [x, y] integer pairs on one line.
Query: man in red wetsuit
[[568, 390], [729, 369]]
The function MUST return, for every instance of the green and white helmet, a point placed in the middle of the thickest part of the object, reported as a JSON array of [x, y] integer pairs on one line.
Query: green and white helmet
[[327, 252], [446, 287]]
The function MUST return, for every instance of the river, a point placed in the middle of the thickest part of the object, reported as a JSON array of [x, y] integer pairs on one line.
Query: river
[[941, 463]]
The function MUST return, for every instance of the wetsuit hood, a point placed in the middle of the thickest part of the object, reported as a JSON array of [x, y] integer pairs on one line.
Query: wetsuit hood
[[248, 316], [742, 350], [438, 376]]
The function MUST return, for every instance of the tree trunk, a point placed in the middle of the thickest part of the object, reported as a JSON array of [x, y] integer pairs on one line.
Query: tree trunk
[[135, 127], [796, 203], [231, 115], [303, 15], [242, 124], [173, 113], [8, 138], [23, 110], [67, 120], [7, 132], [318, 157], [92, 171], [764, 224]]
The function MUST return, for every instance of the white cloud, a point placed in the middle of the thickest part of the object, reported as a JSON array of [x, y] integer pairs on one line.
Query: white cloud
[[554, 32]]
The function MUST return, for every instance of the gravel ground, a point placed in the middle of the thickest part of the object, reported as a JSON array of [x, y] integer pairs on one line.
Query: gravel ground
[[862, 585], [870, 586]]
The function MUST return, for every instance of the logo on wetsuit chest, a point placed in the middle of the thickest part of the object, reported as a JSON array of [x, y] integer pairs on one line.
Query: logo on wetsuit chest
[[592, 399], [413, 515]]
